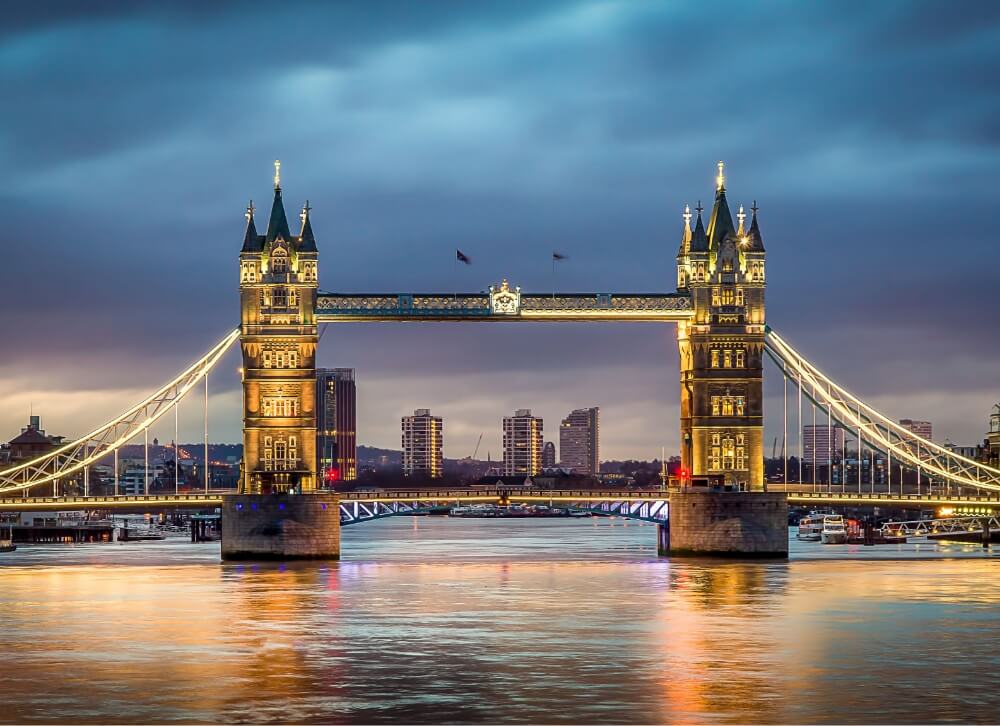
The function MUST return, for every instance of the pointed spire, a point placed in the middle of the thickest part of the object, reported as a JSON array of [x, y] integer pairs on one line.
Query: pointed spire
[[685, 247], [740, 216], [250, 238], [756, 242], [699, 240], [307, 243], [720, 223], [277, 225]]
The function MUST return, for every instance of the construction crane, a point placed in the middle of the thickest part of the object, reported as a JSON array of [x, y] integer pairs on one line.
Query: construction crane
[[477, 445]]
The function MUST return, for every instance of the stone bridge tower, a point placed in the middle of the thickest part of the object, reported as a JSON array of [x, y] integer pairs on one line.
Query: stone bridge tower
[[278, 285], [722, 348]]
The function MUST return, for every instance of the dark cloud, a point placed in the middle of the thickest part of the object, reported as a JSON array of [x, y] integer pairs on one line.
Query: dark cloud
[[136, 131]]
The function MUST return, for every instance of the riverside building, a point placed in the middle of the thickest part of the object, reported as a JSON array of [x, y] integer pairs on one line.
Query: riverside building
[[422, 438], [522, 443], [579, 435]]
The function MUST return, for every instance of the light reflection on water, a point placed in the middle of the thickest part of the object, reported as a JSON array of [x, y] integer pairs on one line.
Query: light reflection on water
[[558, 621]]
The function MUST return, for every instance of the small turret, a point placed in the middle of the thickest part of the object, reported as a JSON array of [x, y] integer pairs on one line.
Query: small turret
[[251, 242], [755, 241], [307, 242], [699, 240]]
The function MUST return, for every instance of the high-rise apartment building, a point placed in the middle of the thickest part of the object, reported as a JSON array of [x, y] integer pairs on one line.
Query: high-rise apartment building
[[548, 455], [578, 441], [422, 436], [522, 443], [336, 425], [822, 443], [923, 429]]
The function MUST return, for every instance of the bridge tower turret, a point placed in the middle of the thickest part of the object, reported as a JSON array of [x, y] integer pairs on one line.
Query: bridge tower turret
[[278, 285], [722, 347]]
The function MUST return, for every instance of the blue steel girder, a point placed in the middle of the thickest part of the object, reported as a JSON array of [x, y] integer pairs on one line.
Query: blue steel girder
[[654, 511]]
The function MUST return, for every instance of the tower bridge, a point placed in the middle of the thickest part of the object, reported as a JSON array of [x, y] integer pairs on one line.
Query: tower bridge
[[724, 338]]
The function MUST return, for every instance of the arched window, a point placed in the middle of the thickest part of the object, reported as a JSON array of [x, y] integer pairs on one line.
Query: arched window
[[279, 261]]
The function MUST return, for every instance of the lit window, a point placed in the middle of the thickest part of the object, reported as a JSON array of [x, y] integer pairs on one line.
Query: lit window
[[715, 296], [715, 358], [727, 359], [739, 296], [268, 359], [741, 358], [715, 405], [279, 261], [715, 439]]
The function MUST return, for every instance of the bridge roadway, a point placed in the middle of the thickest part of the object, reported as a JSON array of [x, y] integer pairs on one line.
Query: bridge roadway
[[156, 502]]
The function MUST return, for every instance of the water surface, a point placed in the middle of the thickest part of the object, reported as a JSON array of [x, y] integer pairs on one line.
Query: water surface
[[555, 621]]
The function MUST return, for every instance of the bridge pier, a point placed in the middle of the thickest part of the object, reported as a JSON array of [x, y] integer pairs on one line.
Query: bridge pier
[[726, 524], [281, 526]]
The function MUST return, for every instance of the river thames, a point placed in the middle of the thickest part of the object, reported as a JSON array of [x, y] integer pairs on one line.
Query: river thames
[[553, 621]]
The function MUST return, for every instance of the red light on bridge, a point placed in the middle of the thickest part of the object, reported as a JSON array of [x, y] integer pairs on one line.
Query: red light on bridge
[[684, 474], [332, 474]]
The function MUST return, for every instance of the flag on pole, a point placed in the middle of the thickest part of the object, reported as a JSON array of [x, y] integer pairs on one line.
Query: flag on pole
[[556, 257], [462, 257]]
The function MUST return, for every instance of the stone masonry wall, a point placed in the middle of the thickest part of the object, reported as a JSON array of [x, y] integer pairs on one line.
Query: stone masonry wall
[[280, 526], [737, 524]]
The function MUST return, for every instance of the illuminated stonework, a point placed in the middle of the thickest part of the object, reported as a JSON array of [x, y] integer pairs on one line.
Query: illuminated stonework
[[278, 283], [504, 301], [721, 347]]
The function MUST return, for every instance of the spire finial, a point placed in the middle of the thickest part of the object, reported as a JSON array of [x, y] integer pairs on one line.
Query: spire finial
[[277, 174], [754, 208], [720, 181], [304, 214], [741, 215], [699, 208], [250, 210], [687, 216]]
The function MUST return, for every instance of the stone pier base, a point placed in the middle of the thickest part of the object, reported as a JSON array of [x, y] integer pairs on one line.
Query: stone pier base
[[281, 527], [726, 524]]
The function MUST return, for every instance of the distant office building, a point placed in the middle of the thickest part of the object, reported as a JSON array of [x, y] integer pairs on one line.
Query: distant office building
[[923, 429], [422, 435], [522, 443], [548, 455], [822, 443], [336, 425], [578, 441]]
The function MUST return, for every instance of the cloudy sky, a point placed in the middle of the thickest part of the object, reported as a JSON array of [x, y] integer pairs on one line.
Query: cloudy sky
[[133, 135]]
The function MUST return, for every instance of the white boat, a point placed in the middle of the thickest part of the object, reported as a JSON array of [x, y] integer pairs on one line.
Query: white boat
[[834, 531], [811, 527]]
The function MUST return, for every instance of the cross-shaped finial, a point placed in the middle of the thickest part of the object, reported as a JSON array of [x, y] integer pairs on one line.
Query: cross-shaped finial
[[305, 212], [687, 215], [720, 180], [699, 208], [250, 210], [741, 215], [277, 174], [754, 208]]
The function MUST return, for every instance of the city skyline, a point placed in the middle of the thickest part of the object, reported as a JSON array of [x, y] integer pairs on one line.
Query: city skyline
[[566, 166]]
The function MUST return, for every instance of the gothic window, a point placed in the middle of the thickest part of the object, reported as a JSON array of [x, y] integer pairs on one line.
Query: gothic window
[[714, 459], [279, 261], [263, 299], [728, 453], [280, 450], [741, 358], [740, 404], [727, 359], [715, 297], [739, 296], [728, 297], [715, 405], [292, 448], [268, 450], [279, 297], [268, 359], [280, 406], [715, 358]]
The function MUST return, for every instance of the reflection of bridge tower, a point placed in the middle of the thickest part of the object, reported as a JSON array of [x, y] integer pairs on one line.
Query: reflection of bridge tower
[[721, 349], [278, 282]]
